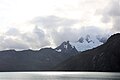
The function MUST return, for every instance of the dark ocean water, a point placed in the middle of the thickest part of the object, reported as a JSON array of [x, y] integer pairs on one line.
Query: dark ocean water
[[59, 76]]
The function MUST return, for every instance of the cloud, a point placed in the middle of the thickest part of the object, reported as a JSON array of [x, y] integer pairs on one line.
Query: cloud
[[13, 44], [14, 39], [61, 29], [64, 34], [53, 21], [58, 29], [49, 30], [73, 35], [13, 32], [36, 39], [112, 14], [54, 29], [39, 33]]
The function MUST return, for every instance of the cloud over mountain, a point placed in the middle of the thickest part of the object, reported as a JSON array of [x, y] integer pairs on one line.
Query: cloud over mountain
[[48, 31], [40, 26], [60, 29]]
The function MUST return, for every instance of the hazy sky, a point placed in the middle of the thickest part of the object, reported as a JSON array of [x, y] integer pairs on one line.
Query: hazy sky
[[38, 23]]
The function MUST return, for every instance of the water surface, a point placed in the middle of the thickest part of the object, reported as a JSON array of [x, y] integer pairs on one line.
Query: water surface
[[59, 76]]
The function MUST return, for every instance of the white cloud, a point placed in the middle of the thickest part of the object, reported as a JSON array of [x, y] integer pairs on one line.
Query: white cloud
[[13, 32], [66, 23], [17, 44], [61, 29], [53, 21], [13, 39], [57, 29], [111, 14]]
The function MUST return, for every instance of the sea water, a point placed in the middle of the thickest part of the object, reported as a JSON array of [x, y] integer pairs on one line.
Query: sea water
[[59, 76]]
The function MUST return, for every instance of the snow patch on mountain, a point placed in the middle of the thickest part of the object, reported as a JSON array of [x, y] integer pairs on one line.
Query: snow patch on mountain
[[58, 50], [66, 47]]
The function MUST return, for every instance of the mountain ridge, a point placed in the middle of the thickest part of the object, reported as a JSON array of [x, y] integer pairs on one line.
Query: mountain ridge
[[105, 57], [65, 57], [32, 60]]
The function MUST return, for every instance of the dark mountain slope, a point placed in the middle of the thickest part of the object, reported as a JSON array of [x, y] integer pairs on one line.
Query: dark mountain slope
[[103, 58], [29, 60]]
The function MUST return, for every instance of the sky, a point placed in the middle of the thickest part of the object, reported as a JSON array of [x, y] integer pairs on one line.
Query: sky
[[34, 24]]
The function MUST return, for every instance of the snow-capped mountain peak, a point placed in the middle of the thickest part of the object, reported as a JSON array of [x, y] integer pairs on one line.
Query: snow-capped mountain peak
[[85, 42], [66, 47], [88, 42]]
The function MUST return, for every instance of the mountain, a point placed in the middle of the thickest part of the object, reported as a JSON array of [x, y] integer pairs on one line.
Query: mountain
[[30, 60], [46, 59], [89, 41], [105, 57], [66, 48]]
